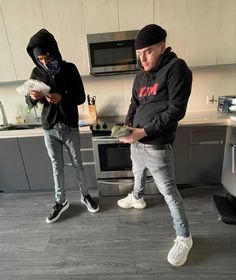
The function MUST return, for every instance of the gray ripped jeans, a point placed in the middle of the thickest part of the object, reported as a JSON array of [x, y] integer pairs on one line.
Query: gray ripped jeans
[[160, 163], [68, 137]]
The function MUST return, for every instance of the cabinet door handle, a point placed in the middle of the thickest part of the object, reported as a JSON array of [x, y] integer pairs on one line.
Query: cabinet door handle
[[214, 142], [233, 146], [67, 164]]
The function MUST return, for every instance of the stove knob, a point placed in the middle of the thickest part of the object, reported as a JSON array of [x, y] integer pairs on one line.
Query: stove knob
[[97, 126], [104, 125]]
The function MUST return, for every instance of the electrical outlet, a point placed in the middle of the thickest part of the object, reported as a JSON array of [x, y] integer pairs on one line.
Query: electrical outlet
[[210, 99]]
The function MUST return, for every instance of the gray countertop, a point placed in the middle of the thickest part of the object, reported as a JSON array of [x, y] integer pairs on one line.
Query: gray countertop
[[190, 119]]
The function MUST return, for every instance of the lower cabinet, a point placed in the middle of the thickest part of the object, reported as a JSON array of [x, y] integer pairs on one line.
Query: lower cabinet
[[229, 166], [199, 153], [198, 150], [88, 163], [206, 155], [12, 172], [181, 149], [37, 163], [39, 169]]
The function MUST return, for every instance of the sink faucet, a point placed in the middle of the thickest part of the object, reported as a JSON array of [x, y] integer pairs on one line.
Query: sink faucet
[[4, 117]]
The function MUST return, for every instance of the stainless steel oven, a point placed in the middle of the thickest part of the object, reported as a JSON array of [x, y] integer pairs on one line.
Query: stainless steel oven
[[114, 167]]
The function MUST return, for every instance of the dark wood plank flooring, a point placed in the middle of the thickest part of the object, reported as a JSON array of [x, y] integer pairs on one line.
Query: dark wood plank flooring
[[114, 243]]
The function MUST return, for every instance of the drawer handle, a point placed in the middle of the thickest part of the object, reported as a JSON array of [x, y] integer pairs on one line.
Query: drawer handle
[[84, 163], [233, 146], [216, 142], [127, 182]]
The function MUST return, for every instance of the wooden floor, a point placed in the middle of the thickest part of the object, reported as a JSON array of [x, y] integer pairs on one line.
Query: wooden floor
[[114, 243]]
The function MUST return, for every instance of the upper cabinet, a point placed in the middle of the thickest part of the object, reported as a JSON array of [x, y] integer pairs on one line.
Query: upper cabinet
[[7, 71], [64, 19], [201, 32], [100, 16], [227, 33], [115, 15], [172, 15], [22, 20], [141, 15]]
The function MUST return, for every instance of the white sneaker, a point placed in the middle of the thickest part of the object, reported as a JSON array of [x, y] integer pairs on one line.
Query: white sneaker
[[179, 252], [131, 202]]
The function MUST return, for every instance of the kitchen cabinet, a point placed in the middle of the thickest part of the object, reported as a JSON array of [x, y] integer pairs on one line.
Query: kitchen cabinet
[[181, 149], [88, 162], [199, 152], [113, 15], [172, 15], [202, 31], [100, 16], [38, 165], [199, 31], [12, 171], [227, 33], [7, 71], [141, 15], [22, 19], [65, 20], [229, 166], [206, 154]]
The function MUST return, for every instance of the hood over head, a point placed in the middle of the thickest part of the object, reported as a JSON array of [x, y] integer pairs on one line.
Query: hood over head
[[43, 41]]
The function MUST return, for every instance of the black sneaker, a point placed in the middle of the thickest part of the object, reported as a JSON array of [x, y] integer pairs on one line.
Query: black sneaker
[[56, 212], [90, 203]]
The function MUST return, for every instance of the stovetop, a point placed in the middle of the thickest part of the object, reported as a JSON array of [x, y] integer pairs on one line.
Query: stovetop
[[105, 124]]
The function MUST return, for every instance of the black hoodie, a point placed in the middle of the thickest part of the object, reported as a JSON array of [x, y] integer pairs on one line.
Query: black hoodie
[[67, 83], [159, 99]]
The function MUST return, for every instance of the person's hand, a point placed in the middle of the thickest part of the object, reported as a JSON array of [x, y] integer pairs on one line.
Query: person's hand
[[54, 98], [137, 133], [35, 95]]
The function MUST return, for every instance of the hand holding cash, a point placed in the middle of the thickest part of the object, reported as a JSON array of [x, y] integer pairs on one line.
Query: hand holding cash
[[36, 86]]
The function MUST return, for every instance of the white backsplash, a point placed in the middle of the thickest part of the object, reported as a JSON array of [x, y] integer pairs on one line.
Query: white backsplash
[[113, 93]]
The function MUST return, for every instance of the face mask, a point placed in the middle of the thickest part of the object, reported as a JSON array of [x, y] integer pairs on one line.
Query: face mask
[[52, 67]]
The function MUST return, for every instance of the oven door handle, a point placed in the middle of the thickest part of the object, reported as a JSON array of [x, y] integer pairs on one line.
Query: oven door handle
[[116, 182], [104, 140], [121, 182]]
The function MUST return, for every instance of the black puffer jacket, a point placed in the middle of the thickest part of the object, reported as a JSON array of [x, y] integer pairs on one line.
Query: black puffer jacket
[[159, 99], [67, 83]]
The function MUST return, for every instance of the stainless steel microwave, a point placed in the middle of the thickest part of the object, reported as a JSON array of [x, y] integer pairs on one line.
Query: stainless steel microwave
[[112, 53]]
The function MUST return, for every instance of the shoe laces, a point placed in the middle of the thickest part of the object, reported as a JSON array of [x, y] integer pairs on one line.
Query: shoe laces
[[180, 245], [56, 205]]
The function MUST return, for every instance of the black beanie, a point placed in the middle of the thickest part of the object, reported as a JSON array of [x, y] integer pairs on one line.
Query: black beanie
[[39, 51], [149, 35]]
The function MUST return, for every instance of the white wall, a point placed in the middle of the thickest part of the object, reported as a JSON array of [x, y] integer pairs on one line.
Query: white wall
[[113, 92]]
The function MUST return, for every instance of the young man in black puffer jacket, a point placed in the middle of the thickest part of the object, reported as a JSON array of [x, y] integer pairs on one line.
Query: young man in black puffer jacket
[[59, 115], [159, 100]]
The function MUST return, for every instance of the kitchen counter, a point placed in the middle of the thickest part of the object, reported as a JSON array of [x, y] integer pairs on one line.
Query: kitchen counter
[[206, 118], [32, 132], [191, 119]]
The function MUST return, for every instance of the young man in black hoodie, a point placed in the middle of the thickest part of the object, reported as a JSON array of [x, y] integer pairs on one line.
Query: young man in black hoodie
[[59, 116], [159, 100]]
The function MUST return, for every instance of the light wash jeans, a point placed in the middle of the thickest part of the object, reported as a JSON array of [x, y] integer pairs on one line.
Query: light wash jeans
[[160, 164], [55, 139]]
